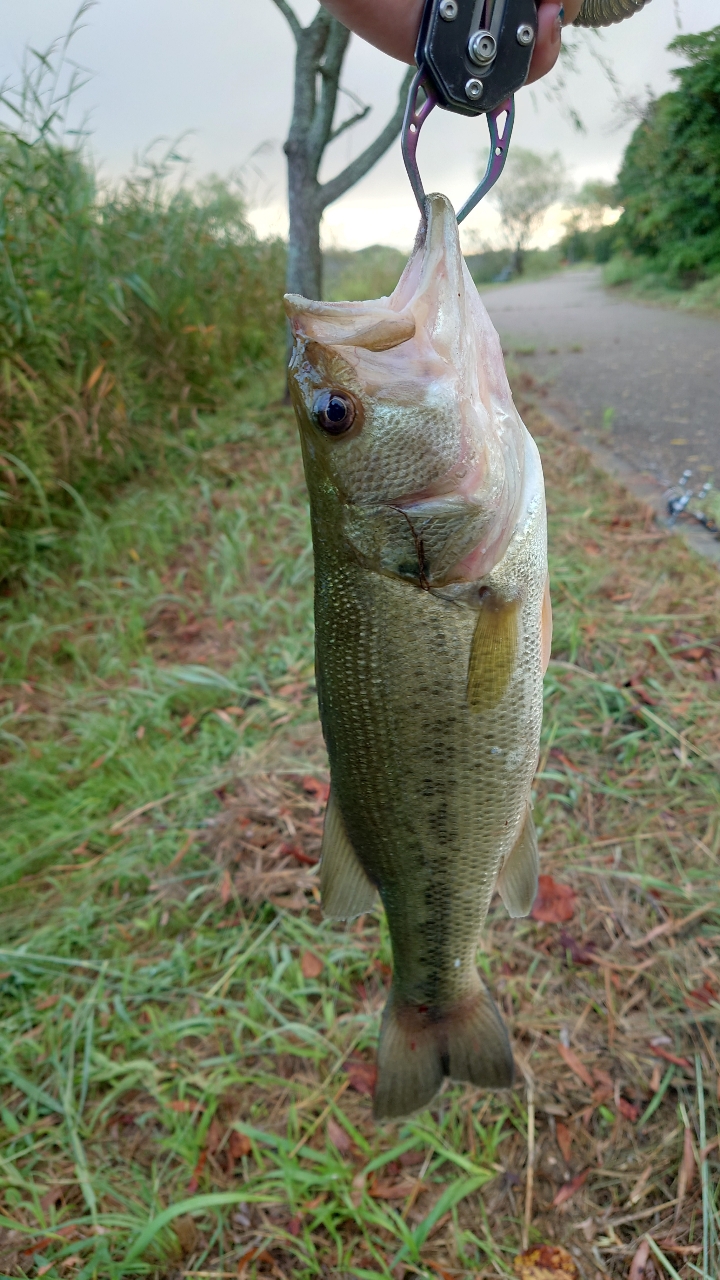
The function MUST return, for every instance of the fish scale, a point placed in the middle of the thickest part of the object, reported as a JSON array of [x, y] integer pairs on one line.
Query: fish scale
[[429, 674]]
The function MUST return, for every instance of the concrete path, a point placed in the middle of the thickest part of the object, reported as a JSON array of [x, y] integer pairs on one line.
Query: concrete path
[[641, 381]]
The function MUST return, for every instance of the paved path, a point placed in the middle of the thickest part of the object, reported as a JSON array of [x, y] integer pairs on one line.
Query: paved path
[[642, 380]]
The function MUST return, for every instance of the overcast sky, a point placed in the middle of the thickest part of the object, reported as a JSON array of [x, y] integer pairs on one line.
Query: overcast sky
[[221, 71]]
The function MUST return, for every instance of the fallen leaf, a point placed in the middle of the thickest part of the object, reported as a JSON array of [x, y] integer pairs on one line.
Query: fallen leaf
[[567, 1191], [555, 903], [226, 887], [313, 787], [676, 1061], [706, 994], [234, 711], [628, 1110], [564, 1140], [669, 1246], [362, 1075], [47, 1002], [339, 1137], [187, 723], [185, 1104], [53, 1196], [579, 952], [295, 1225], [185, 1229], [311, 965], [239, 1144], [294, 851], [579, 1069], [639, 688], [214, 1136], [442, 1271], [391, 1190], [232, 923], [545, 1262], [222, 716], [194, 1182], [639, 1262], [140, 732]]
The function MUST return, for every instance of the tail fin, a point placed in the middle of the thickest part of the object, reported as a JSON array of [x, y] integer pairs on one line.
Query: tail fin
[[418, 1047]]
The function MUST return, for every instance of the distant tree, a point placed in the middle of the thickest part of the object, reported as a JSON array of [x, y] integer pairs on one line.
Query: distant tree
[[530, 184], [321, 49], [669, 182], [590, 232]]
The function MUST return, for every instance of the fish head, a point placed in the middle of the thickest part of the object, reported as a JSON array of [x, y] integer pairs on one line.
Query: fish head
[[405, 414]]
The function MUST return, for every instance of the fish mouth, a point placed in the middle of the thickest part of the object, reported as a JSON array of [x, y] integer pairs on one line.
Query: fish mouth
[[427, 303], [432, 285]]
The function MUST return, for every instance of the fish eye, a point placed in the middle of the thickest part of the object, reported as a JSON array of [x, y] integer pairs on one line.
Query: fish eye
[[335, 412]]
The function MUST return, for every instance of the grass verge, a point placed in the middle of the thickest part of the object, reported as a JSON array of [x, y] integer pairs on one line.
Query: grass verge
[[187, 1047], [637, 277]]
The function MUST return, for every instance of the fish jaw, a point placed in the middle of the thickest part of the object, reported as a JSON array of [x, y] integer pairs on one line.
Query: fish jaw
[[438, 422]]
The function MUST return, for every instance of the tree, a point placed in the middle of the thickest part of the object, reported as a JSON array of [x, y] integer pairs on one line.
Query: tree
[[321, 49], [529, 185], [590, 232], [669, 181]]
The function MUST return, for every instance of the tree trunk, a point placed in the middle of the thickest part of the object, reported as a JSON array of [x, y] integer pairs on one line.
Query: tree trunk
[[321, 49], [304, 261], [518, 260]]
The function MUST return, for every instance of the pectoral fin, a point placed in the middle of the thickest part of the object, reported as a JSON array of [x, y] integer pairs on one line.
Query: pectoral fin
[[493, 653], [518, 881], [345, 890]]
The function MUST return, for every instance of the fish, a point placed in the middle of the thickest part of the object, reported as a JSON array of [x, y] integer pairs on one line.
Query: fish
[[433, 626]]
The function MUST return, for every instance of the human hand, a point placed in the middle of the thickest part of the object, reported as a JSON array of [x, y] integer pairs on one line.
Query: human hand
[[392, 25]]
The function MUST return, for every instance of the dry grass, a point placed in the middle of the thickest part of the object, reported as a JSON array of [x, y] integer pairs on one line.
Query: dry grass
[[190, 1095]]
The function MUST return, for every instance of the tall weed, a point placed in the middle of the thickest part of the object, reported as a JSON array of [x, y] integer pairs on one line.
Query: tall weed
[[122, 311]]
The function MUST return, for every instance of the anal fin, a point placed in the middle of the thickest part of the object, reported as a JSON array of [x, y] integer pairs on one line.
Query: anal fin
[[345, 889], [493, 653], [518, 881]]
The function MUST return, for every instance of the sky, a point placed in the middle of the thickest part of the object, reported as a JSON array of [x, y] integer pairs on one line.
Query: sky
[[219, 73]]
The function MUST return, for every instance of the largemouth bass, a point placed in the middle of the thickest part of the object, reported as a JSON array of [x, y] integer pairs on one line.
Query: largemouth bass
[[432, 618]]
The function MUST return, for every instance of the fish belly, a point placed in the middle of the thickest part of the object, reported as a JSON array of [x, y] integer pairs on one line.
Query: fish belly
[[433, 794]]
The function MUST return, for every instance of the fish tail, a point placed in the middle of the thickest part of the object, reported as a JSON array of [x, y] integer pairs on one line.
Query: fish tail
[[419, 1047]]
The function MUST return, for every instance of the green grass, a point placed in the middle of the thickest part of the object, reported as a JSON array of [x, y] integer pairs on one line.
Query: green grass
[[91, 722], [183, 1090], [649, 285]]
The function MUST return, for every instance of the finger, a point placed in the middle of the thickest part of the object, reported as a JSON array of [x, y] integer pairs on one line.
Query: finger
[[549, 39]]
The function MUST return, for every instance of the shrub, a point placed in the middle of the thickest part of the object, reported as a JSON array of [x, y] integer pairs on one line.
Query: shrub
[[122, 313], [669, 182]]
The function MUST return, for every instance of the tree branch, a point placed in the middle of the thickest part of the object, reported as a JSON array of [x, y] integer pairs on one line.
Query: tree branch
[[336, 187], [330, 69], [292, 18], [348, 124]]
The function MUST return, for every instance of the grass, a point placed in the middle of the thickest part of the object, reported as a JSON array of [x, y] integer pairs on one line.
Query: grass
[[637, 275], [187, 1047]]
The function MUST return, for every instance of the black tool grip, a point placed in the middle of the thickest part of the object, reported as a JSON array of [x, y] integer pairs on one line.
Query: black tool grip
[[473, 86]]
